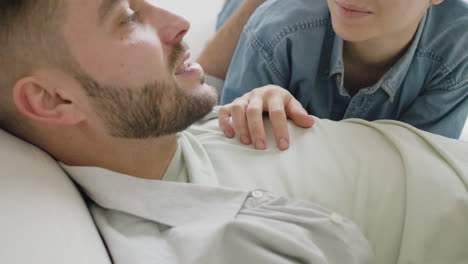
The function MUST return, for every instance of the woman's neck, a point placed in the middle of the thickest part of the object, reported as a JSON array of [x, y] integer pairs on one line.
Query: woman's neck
[[372, 58]]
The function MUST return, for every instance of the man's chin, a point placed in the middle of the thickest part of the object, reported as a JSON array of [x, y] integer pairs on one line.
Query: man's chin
[[198, 87], [208, 93], [213, 92]]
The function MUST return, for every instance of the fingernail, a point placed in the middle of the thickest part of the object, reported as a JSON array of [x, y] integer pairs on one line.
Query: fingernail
[[245, 140], [229, 133], [260, 144], [283, 144]]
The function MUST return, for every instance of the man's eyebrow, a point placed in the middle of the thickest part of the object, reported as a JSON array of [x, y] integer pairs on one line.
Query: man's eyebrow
[[105, 8]]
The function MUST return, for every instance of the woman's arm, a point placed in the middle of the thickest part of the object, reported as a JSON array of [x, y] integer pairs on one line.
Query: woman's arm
[[217, 55]]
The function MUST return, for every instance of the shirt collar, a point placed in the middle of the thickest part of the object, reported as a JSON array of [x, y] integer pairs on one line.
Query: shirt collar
[[391, 80], [336, 65], [176, 171], [168, 203]]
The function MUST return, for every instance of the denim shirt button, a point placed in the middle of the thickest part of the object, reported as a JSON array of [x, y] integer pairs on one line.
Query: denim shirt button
[[338, 79]]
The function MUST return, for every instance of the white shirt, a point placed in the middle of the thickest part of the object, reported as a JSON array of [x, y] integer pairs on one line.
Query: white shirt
[[152, 221], [395, 182]]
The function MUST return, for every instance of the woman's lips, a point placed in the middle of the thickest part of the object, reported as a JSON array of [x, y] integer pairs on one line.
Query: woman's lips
[[351, 12]]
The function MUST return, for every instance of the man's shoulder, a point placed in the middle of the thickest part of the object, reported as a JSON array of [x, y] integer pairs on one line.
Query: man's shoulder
[[276, 19], [444, 39]]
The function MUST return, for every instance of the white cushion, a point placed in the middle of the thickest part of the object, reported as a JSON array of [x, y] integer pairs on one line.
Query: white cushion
[[43, 217]]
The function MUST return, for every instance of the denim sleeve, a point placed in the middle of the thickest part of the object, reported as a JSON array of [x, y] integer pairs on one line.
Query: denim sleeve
[[252, 66], [440, 111], [226, 12]]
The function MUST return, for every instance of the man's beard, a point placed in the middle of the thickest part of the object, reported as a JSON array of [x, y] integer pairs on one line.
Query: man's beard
[[159, 108]]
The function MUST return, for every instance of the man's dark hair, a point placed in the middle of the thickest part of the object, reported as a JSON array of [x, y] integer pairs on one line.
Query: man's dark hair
[[30, 38]]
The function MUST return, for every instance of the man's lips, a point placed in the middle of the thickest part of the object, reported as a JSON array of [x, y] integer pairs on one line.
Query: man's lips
[[352, 11], [181, 65], [185, 68]]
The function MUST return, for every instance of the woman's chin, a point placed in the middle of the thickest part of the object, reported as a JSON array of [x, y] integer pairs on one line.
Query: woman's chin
[[347, 35]]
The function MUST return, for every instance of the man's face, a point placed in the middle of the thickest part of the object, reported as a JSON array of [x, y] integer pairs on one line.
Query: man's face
[[362, 20], [131, 59]]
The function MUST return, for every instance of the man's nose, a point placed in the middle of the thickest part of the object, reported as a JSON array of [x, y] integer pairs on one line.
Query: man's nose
[[171, 27]]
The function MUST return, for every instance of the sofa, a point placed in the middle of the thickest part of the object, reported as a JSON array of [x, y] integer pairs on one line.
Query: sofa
[[44, 218]]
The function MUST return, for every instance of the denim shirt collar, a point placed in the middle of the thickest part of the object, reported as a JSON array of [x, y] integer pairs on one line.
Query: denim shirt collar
[[391, 80]]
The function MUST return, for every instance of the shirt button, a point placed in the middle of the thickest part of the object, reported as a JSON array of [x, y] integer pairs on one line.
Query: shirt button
[[336, 219], [338, 79], [257, 194]]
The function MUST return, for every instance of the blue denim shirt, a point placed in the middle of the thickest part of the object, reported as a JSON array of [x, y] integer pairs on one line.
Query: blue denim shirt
[[291, 43]]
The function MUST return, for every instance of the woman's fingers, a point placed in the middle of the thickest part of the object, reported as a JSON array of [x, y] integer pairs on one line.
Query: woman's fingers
[[244, 117], [239, 120], [296, 112], [224, 121], [279, 122], [254, 115]]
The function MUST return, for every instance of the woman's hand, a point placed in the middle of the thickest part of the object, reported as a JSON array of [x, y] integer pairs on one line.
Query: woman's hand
[[247, 116]]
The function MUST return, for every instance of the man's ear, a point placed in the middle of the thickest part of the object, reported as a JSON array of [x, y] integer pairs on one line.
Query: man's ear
[[38, 100], [436, 2]]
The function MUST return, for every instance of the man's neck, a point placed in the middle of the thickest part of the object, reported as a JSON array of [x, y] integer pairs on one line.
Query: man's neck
[[145, 158], [148, 158]]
